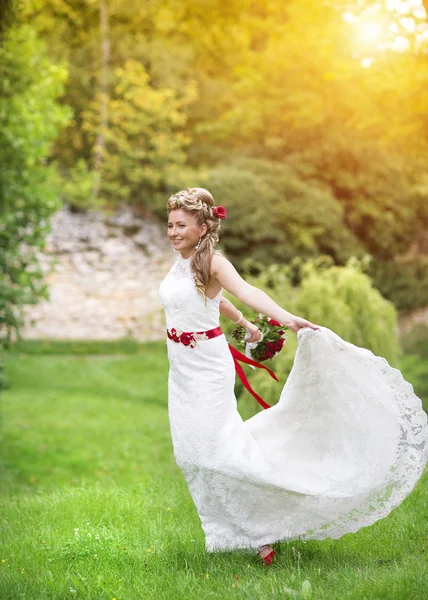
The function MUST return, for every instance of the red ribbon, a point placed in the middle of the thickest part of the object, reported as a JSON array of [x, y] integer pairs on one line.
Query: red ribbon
[[249, 361]]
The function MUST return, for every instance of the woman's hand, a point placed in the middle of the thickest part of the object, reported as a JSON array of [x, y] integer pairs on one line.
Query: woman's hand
[[296, 323], [254, 330]]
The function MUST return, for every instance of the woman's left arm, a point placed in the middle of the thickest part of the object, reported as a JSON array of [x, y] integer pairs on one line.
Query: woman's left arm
[[229, 278]]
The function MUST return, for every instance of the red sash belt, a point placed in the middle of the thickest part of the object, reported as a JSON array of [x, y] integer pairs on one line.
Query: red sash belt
[[191, 338]]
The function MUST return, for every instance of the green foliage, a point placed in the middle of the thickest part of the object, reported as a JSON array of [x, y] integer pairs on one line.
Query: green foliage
[[78, 185], [145, 141], [279, 81], [414, 362], [378, 198], [71, 31], [318, 203], [30, 119], [414, 369], [273, 215], [404, 283], [7, 13], [343, 299], [416, 341]]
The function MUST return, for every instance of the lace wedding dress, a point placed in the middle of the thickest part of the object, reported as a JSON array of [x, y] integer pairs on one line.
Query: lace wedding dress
[[345, 444]]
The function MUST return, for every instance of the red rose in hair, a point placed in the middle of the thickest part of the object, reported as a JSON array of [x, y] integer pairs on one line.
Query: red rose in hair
[[219, 212]]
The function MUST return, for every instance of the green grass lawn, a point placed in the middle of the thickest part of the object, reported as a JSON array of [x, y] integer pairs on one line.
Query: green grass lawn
[[93, 505]]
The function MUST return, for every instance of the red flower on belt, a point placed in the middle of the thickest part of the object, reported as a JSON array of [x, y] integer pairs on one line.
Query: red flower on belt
[[189, 338], [186, 338], [173, 335]]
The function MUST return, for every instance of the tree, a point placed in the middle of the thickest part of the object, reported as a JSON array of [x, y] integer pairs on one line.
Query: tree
[[30, 119], [103, 95], [371, 185], [144, 143], [294, 83]]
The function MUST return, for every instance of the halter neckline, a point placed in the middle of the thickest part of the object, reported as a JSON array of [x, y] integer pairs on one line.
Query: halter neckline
[[184, 259]]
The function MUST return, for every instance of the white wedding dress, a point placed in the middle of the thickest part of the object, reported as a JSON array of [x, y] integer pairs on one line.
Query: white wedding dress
[[345, 444]]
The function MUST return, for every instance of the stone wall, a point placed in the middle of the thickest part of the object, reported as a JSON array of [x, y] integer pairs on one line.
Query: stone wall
[[103, 275]]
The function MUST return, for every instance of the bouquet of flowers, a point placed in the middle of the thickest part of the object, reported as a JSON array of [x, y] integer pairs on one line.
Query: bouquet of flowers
[[273, 338]]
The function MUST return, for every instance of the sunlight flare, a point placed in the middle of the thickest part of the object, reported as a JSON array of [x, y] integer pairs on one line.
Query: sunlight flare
[[370, 32]]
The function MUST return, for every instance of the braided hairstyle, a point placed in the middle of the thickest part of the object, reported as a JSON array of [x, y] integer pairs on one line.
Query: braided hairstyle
[[199, 202]]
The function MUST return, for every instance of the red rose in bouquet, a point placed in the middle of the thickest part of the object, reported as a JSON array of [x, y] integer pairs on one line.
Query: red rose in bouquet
[[273, 337]]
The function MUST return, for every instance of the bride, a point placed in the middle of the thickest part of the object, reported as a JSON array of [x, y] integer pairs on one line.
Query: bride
[[345, 444]]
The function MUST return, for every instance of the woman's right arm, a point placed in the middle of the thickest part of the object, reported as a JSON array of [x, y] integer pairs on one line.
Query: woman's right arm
[[231, 312]]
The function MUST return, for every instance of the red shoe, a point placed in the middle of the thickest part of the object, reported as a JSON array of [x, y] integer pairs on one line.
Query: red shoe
[[267, 555]]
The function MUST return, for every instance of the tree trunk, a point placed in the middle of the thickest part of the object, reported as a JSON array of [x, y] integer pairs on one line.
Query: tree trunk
[[105, 60]]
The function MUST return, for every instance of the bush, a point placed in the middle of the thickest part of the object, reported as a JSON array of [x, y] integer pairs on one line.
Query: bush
[[414, 361], [341, 298], [415, 341], [273, 215], [403, 283], [414, 369]]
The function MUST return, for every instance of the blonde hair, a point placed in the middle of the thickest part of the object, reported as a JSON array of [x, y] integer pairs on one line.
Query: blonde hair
[[199, 202]]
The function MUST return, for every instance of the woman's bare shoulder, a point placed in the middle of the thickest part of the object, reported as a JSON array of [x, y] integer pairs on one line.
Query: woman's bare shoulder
[[218, 259]]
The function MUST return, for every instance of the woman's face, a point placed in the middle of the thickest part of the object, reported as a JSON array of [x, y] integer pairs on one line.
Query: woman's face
[[183, 231]]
